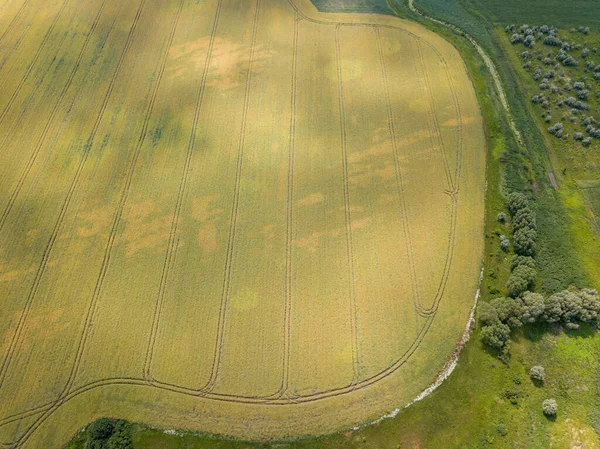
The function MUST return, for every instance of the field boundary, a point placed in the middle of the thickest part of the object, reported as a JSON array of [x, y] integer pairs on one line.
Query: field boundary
[[282, 397]]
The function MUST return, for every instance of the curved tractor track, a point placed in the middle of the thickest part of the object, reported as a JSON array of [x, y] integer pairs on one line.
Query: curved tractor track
[[229, 242]]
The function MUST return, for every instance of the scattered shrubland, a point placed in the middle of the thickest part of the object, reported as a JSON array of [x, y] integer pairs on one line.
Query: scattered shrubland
[[567, 71]]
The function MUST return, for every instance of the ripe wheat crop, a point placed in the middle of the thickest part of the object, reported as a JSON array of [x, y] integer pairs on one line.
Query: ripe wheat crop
[[240, 217]]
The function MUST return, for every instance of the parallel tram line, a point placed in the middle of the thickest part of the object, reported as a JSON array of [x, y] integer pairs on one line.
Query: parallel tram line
[[173, 240], [398, 172], [14, 20], [234, 214], [33, 62], [38, 85], [433, 120], [43, 135], [290, 218], [453, 193], [119, 212], [453, 189], [332, 392], [9, 30], [347, 210], [65, 206]]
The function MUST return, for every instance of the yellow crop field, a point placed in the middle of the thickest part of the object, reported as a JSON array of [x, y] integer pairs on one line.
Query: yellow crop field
[[242, 217]]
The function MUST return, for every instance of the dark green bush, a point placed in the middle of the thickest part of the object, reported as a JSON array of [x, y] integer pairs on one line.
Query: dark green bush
[[517, 260], [101, 429], [516, 201], [524, 242]]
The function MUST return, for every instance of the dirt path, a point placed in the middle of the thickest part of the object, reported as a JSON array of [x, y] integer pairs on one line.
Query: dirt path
[[593, 221], [553, 180], [488, 62]]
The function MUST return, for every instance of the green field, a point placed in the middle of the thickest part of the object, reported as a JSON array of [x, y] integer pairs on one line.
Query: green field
[[360, 6], [550, 12], [239, 217]]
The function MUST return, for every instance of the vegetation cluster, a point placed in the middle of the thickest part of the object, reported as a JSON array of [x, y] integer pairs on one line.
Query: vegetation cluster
[[107, 433], [568, 77], [502, 315]]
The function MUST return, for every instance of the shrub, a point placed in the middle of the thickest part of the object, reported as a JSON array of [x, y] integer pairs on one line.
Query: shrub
[[508, 311], [501, 217], [520, 280], [556, 130], [524, 242], [583, 94], [549, 407], [101, 429], [517, 260], [516, 38], [524, 218], [593, 132], [529, 41], [552, 309], [496, 336], [502, 430], [578, 136], [516, 201], [587, 142], [532, 307], [488, 315], [549, 40], [537, 373], [536, 99], [570, 61], [504, 243]]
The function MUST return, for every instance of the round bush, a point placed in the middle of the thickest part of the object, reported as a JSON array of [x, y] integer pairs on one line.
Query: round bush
[[537, 373], [101, 429], [549, 407]]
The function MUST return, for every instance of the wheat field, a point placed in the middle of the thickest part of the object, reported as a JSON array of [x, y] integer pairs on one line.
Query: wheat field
[[241, 217]]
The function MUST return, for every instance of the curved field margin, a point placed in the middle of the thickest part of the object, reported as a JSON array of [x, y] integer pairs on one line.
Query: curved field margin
[[239, 217]]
